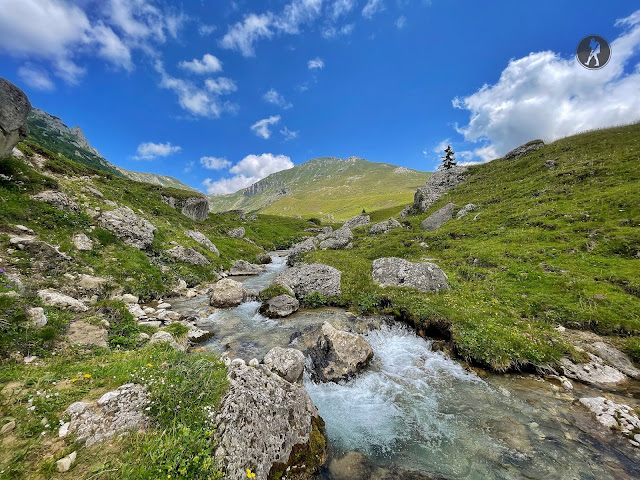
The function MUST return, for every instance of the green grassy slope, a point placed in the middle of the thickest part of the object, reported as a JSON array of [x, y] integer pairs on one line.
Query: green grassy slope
[[549, 246], [327, 185], [179, 440]]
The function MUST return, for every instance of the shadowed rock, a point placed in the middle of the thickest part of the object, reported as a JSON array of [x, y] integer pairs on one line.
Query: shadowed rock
[[439, 182], [196, 208], [187, 255], [203, 240], [525, 149], [438, 218], [57, 199], [280, 306], [267, 424], [14, 108], [242, 267], [357, 221]]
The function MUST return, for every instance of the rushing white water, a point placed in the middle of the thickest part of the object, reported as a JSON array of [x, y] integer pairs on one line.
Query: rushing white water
[[417, 409]]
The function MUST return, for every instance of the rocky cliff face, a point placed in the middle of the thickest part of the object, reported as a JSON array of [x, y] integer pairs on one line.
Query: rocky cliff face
[[14, 108], [263, 185], [73, 135], [438, 183], [196, 208]]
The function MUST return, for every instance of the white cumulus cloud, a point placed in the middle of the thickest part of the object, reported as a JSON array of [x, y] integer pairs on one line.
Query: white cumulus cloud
[[372, 7], [208, 64], [261, 165], [289, 134], [248, 171], [36, 78], [150, 150], [275, 98], [544, 95], [243, 35], [261, 127], [199, 101], [214, 163], [315, 63], [64, 34]]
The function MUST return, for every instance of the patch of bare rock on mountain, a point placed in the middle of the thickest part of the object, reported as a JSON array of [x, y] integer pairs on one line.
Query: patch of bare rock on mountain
[[439, 182]]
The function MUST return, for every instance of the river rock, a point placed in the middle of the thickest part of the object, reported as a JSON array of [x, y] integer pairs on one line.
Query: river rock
[[82, 242], [438, 218], [338, 355], [115, 412], [57, 199], [397, 272], [525, 149], [267, 424], [469, 207], [236, 232], [595, 372], [203, 240], [166, 337], [357, 221], [384, 227], [36, 316], [41, 251], [242, 267], [613, 415], [280, 306], [439, 182], [187, 255], [14, 108], [198, 335], [129, 227], [314, 277], [51, 298], [615, 358], [90, 283], [286, 362], [87, 335], [227, 293], [65, 463], [196, 207], [335, 243], [300, 248]]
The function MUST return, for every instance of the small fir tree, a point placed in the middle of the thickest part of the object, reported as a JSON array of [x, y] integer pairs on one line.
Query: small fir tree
[[448, 160]]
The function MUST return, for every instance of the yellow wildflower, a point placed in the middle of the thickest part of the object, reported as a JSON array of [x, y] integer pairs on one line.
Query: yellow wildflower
[[87, 375], [149, 365], [250, 474], [74, 379]]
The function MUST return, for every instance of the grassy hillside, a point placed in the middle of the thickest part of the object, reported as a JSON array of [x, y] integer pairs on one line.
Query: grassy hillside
[[554, 244], [326, 186], [179, 442], [49, 132]]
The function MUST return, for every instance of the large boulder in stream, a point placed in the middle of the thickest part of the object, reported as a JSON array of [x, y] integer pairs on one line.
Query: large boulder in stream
[[286, 362], [268, 425], [397, 272], [314, 277], [242, 267], [280, 306], [227, 293], [338, 355]]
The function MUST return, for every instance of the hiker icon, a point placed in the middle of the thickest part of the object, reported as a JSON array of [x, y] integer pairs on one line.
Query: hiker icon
[[594, 45], [593, 52]]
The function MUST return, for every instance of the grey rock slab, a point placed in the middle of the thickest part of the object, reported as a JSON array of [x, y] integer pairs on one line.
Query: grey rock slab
[[286, 362], [279, 306], [397, 272], [438, 218], [315, 277]]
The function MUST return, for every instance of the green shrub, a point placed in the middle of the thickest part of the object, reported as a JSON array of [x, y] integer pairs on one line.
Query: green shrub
[[632, 346], [273, 291], [315, 221], [315, 300], [177, 329], [123, 328]]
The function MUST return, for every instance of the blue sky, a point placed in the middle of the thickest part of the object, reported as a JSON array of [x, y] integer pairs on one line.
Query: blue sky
[[220, 94]]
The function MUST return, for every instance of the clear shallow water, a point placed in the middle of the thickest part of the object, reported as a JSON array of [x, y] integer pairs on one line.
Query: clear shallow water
[[416, 409]]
